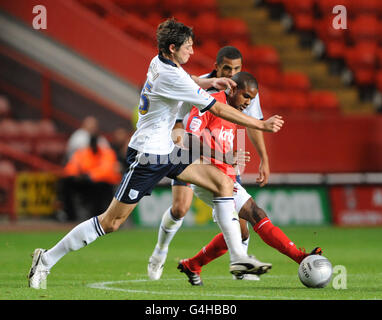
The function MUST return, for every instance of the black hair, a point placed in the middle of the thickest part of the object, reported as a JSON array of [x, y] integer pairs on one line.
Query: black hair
[[228, 52], [172, 32], [93, 143], [244, 79]]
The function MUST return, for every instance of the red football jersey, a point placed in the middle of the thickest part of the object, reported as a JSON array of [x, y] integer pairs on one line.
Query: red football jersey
[[217, 133]]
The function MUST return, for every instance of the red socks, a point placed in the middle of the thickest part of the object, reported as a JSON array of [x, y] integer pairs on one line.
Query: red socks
[[270, 234], [274, 237], [216, 248]]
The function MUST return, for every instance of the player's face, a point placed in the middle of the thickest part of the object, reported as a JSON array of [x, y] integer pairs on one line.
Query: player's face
[[228, 67], [182, 55], [241, 98]]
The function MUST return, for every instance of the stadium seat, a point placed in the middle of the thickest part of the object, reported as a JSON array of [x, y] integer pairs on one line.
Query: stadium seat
[[268, 76], [304, 22], [205, 27], [9, 128], [296, 81], [357, 7], [325, 31], [335, 49], [297, 99], [364, 28], [325, 7], [7, 168], [46, 127], [209, 48], [170, 6], [295, 7], [265, 56], [28, 129], [195, 7], [232, 28], [324, 100], [272, 99], [362, 61], [183, 17]]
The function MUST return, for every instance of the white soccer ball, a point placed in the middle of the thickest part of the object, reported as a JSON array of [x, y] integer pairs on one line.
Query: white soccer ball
[[315, 271]]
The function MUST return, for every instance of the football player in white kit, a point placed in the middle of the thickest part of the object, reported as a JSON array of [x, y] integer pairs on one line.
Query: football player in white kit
[[229, 62], [152, 155]]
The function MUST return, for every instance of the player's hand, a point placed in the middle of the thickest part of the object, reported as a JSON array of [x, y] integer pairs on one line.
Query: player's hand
[[273, 124], [237, 158], [223, 83], [264, 171]]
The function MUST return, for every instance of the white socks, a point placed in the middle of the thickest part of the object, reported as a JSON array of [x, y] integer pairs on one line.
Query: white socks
[[167, 230], [80, 236], [228, 221]]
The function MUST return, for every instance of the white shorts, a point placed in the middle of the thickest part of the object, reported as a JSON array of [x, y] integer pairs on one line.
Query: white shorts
[[240, 196]]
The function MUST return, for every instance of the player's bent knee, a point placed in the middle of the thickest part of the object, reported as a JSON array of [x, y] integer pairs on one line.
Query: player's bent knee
[[225, 186], [179, 210]]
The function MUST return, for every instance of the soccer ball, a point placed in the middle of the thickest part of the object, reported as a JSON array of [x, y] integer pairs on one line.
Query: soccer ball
[[315, 271]]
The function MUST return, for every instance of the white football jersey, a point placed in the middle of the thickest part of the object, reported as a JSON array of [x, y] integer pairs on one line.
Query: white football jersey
[[165, 86]]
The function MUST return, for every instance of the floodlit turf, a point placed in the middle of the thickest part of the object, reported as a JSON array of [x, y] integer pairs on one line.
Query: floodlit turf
[[114, 267]]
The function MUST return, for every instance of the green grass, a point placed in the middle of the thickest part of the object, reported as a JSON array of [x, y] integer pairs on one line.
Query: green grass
[[114, 267]]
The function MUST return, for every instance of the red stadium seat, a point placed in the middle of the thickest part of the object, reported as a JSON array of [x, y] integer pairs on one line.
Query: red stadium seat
[[363, 55], [9, 128], [7, 168], [364, 28], [209, 48], [324, 100], [297, 99], [274, 99], [296, 81], [265, 56], [357, 7], [297, 6], [326, 32], [233, 28], [205, 27], [362, 61], [304, 22], [268, 76], [196, 7], [325, 7], [335, 49], [170, 6]]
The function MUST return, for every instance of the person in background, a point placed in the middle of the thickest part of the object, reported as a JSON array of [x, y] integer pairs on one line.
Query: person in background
[[90, 177], [81, 137]]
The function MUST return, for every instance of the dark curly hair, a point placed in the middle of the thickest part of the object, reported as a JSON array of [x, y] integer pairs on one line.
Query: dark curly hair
[[172, 32]]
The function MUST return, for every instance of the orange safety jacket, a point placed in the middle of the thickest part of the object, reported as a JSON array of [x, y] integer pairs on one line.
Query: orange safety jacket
[[102, 166]]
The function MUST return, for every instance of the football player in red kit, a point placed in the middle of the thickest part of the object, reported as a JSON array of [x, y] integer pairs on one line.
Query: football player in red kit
[[219, 135]]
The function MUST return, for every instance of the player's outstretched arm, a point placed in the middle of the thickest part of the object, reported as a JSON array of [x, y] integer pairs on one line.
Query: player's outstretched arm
[[218, 83], [272, 124]]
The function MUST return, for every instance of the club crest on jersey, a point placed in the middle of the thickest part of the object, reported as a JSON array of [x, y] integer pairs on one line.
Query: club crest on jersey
[[203, 93], [133, 194], [195, 124]]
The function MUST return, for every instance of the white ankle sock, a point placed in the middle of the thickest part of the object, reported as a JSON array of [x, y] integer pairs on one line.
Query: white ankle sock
[[80, 236], [228, 221], [167, 230]]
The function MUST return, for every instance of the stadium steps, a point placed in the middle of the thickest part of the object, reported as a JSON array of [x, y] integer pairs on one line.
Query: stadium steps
[[266, 31]]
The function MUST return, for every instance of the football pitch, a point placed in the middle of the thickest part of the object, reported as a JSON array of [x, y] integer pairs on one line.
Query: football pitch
[[114, 267]]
